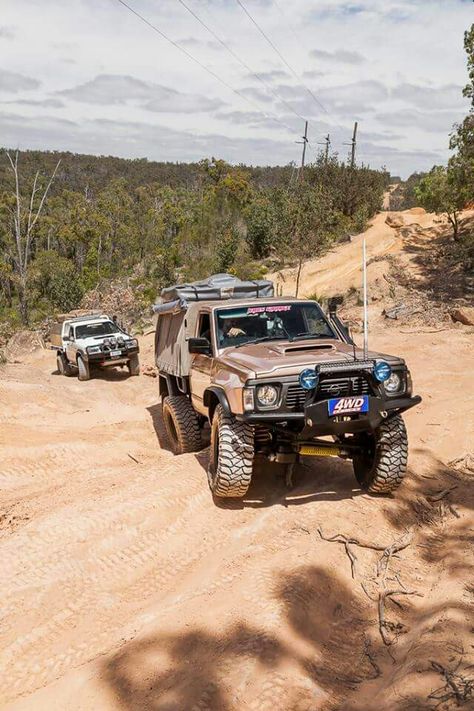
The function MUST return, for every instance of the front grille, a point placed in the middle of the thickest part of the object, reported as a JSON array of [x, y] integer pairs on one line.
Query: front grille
[[295, 397], [343, 387], [329, 387]]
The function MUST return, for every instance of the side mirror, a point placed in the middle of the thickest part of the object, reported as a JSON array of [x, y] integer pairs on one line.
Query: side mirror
[[199, 345], [65, 338], [333, 303]]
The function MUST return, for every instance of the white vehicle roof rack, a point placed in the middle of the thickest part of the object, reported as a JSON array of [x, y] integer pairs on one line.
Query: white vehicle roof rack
[[95, 317]]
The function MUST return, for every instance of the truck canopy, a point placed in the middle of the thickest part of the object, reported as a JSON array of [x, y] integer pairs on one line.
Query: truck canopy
[[179, 310], [173, 328]]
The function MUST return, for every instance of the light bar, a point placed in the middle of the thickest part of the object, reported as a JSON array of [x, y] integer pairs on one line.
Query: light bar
[[345, 365]]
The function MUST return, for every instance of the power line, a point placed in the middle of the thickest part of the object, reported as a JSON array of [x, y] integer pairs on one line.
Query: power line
[[275, 48], [301, 42], [203, 66], [290, 24], [241, 61]]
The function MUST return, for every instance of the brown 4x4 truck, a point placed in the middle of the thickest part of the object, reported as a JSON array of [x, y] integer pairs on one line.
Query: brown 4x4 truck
[[276, 377]]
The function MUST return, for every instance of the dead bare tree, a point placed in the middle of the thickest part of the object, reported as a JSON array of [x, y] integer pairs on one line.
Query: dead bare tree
[[25, 214]]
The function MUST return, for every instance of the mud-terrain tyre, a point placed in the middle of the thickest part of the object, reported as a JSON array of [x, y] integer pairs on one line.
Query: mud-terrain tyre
[[64, 367], [83, 369], [133, 365], [231, 455], [181, 424], [381, 467]]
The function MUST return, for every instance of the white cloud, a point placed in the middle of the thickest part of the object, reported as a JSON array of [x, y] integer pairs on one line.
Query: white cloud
[[129, 139], [436, 97], [432, 121], [12, 82], [396, 66], [341, 56], [7, 32], [110, 89], [48, 103]]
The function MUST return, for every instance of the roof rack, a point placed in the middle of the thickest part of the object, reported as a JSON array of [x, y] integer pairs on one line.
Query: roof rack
[[78, 316]]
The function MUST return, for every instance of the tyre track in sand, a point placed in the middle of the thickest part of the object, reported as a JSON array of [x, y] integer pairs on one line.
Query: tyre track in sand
[[129, 583]]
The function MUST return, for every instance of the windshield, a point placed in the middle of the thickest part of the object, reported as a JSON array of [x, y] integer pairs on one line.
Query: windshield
[[89, 330], [271, 322]]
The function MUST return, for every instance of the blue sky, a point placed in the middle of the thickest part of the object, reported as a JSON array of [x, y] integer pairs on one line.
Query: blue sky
[[88, 76]]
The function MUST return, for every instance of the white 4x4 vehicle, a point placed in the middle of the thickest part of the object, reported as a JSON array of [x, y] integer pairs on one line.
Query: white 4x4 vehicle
[[96, 340]]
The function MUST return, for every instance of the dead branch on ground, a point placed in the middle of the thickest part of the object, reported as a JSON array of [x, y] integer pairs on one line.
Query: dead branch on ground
[[346, 542], [389, 551], [369, 653], [441, 494], [456, 686], [384, 625]]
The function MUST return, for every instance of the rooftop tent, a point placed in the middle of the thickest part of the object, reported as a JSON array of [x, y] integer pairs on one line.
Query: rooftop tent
[[218, 287]]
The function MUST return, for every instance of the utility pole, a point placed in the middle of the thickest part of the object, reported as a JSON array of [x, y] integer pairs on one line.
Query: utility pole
[[304, 142], [327, 143], [353, 145]]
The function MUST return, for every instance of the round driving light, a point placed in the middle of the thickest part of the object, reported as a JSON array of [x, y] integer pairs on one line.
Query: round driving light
[[267, 395], [382, 371], [393, 383], [308, 379]]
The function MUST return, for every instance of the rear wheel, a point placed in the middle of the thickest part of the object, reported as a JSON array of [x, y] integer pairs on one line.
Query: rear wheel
[[133, 365], [181, 424], [381, 466], [83, 368], [231, 456], [63, 365]]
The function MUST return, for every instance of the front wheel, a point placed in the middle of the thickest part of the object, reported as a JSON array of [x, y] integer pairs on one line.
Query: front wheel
[[83, 368], [133, 365], [231, 456], [382, 464]]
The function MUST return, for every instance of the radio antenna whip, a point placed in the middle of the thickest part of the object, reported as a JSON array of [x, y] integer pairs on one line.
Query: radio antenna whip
[[366, 317]]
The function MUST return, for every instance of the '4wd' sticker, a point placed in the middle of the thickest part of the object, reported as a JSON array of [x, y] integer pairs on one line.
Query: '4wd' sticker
[[343, 405]]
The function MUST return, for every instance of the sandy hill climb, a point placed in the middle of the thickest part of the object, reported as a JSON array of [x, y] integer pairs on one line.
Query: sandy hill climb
[[340, 269], [124, 587]]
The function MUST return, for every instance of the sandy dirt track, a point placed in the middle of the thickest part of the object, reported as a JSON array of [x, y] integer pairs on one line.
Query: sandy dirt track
[[125, 587], [340, 269]]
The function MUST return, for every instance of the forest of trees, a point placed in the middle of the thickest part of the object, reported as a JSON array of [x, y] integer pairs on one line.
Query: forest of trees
[[67, 222]]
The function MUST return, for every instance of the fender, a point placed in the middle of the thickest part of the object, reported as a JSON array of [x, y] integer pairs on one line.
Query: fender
[[220, 395], [171, 385]]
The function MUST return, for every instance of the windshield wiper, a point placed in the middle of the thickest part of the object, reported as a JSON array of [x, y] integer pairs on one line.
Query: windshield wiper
[[257, 340], [307, 335]]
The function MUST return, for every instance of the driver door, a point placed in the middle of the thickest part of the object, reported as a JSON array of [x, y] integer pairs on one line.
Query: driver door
[[201, 366], [71, 347]]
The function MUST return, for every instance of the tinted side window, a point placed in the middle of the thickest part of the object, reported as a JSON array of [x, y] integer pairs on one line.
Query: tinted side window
[[204, 329]]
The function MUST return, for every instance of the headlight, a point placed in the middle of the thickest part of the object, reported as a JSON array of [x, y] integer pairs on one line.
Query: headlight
[[93, 349], [382, 371], [133, 343], [393, 384], [267, 395], [308, 379]]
